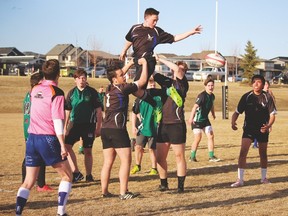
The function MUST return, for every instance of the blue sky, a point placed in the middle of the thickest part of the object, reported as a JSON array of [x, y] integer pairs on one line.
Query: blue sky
[[38, 25]]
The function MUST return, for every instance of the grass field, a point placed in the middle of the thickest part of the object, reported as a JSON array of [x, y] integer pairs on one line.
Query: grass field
[[207, 184]]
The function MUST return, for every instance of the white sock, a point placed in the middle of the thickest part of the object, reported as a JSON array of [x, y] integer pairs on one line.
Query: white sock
[[263, 173], [63, 194], [241, 174]]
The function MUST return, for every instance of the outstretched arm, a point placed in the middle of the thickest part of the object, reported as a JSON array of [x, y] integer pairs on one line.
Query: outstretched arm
[[127, 66], [196, 30], [171, 65], [127, 45]]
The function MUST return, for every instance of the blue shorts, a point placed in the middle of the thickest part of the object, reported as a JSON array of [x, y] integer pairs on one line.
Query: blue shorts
[[42, 149]]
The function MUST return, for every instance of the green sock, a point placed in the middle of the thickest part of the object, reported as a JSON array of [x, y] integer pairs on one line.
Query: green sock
[[211, 154], [193, 154]]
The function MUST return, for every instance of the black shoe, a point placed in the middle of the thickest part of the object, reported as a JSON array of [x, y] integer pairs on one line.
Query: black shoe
[[62, 215], [180, 190], [89, 178], [77, 177], [107, 195], [163, 188]]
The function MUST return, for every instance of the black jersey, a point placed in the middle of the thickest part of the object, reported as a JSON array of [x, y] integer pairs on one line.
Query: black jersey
[[205, 102], [145, 39], [171, 112], [116, 102], [257, 109]]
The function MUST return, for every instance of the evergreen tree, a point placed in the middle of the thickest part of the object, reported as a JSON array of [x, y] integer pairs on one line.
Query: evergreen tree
[[249, 61]]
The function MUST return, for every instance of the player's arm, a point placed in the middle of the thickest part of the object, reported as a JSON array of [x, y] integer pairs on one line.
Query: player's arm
[[213, 111], [196, 30], [127, 66], [266, 127], [169, 64], [127, 45], [144, 74], [192, 115], [67, 117], [233, 120], [99, 121], [133, 122]]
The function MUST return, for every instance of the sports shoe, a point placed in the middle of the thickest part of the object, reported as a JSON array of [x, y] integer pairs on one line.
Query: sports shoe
[[107, 195], [238, 183], [214, 159], [81, 150], [77, 177], [89, 178], [265, 181], [153, 171], [163, 188], [136, 168], [45, 188], [127, 195], [174, 95], [62, 214], [193, 159]]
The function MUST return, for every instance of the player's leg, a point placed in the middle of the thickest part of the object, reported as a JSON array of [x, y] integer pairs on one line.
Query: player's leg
[[125, 163], [24, 191], [109, 155], [263, 162], [245, 145], [152, 153], [162, 152], [65, 173], [139, 149], [197, 138], [179, 151], [210, 137]]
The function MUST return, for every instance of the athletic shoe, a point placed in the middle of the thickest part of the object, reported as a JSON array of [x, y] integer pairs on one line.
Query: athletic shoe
[[180, 190], [153, 171], [107, 195], [89, 178], [163, 188], [62, 214], [193, 159], [136, 168], [238, 183], [174, 95], [45, 188], [214, 159], [127, 195], [81, 150], [265, 181], [77, 177]]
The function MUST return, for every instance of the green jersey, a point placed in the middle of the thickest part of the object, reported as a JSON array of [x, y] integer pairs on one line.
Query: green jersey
[[82, 104], [26, 112], [205, 102], [148, 126]]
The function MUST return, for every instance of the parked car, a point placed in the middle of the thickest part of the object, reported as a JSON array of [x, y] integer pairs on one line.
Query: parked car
[[100, 71], [189, 75], [67, 71], [214, 73], [282, 78], [235, 78]]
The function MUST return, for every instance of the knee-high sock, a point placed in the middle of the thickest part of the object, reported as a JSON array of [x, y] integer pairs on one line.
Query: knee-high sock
[[22, 196], [63, 194]]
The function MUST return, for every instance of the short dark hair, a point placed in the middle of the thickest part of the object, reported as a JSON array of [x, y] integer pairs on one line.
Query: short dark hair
[[111, 70], [258, 76], [182, 63], [51, 69], [151, 11], [79, 72], [209, 79], [35, 78]]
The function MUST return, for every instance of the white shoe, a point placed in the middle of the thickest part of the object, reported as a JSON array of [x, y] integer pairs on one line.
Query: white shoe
[[238, 183]]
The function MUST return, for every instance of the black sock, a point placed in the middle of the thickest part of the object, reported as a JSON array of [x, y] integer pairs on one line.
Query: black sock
[[164, 182], [181, 180]]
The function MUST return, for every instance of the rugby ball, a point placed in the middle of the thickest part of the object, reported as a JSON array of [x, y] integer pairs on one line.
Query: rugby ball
[[215, 60]]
